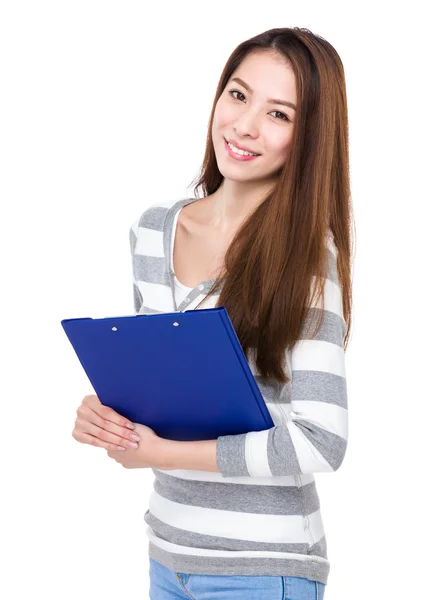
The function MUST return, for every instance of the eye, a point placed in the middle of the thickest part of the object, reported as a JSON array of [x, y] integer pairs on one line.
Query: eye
[[281, 113], [231, 92], [284, 116]]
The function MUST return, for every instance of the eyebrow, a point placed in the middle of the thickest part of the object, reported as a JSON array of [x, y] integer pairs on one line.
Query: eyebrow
[[270, 100]]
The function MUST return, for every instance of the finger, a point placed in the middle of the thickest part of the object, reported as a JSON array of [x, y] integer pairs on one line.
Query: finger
[[104, 435], [106, 412], [87, 414], [87, 438]]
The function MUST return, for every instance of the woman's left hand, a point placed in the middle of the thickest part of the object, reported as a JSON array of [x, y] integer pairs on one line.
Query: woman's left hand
[[148, 454]]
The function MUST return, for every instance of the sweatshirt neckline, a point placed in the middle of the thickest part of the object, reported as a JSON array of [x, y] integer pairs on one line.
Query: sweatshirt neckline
[[169, 243]]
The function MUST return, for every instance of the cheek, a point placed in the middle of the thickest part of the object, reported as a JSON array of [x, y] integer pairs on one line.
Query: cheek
[[280, 144], [224, 115]]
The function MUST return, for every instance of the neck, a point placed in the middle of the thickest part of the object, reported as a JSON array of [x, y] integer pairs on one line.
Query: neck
[[234, 201]]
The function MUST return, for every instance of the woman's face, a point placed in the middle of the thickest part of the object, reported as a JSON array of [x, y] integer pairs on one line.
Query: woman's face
[[250, 115]]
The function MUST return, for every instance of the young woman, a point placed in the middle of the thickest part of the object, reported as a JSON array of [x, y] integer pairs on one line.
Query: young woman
[[269, 238]]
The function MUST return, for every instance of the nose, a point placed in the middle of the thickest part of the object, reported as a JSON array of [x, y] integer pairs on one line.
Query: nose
[[247, 125]]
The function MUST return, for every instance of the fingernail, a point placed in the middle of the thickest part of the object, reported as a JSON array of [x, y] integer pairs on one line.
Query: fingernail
[[135, 436], [130, 425]]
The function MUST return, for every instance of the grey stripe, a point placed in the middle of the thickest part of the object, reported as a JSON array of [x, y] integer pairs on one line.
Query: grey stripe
[[258, 499], [319, 385], [150, 269], [332, 329], [132, 241], [273, 390], [331, 446], [204, 565], [137, 298], [153, 218], [320, 548], [230, 455], [331, 268], [281, 453]]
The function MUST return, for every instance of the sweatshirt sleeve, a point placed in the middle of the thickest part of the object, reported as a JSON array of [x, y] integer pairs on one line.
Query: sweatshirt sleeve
[[133, 238], [314, 437]]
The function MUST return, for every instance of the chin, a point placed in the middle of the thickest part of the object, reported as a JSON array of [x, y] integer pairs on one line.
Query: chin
[[234, 174]]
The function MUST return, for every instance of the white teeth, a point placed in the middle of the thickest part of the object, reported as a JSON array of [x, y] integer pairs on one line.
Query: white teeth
[[238, 151]]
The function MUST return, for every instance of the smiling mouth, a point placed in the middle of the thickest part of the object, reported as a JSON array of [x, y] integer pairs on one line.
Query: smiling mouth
[[240, 151]]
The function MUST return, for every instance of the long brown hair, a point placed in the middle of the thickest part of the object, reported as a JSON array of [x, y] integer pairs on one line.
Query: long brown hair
[[269, 264]]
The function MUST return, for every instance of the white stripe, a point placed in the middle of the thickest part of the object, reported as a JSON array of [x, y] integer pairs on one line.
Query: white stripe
[[190, 551], [277, 529], [318, 355], [252, 365], [156, 296], [332, 297], [150, 242], [134, 226], [331, 244], [316, 525], [326, 415], [210, 302], [282, 480], [278, 416], [256, 454], [310, 459]]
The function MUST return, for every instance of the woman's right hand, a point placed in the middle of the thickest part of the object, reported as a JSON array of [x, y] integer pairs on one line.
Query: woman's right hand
[[101, 426]]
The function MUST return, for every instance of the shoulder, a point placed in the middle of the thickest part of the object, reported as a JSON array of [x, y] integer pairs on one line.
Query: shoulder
[[154, 217]]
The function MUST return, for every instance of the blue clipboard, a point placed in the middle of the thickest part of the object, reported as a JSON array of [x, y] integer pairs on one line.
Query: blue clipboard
[[184, 374]]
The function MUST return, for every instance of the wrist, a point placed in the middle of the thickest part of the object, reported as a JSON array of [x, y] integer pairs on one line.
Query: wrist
[[194, 456], [166, 454]]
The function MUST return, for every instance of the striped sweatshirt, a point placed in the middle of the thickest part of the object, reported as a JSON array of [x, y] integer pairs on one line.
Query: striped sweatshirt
[[260, 515]]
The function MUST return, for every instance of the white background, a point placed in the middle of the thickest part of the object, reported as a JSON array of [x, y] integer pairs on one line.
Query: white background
[[104, 110]]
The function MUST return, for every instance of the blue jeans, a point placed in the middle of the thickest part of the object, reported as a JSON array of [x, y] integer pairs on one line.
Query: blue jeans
[[169, 585]]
